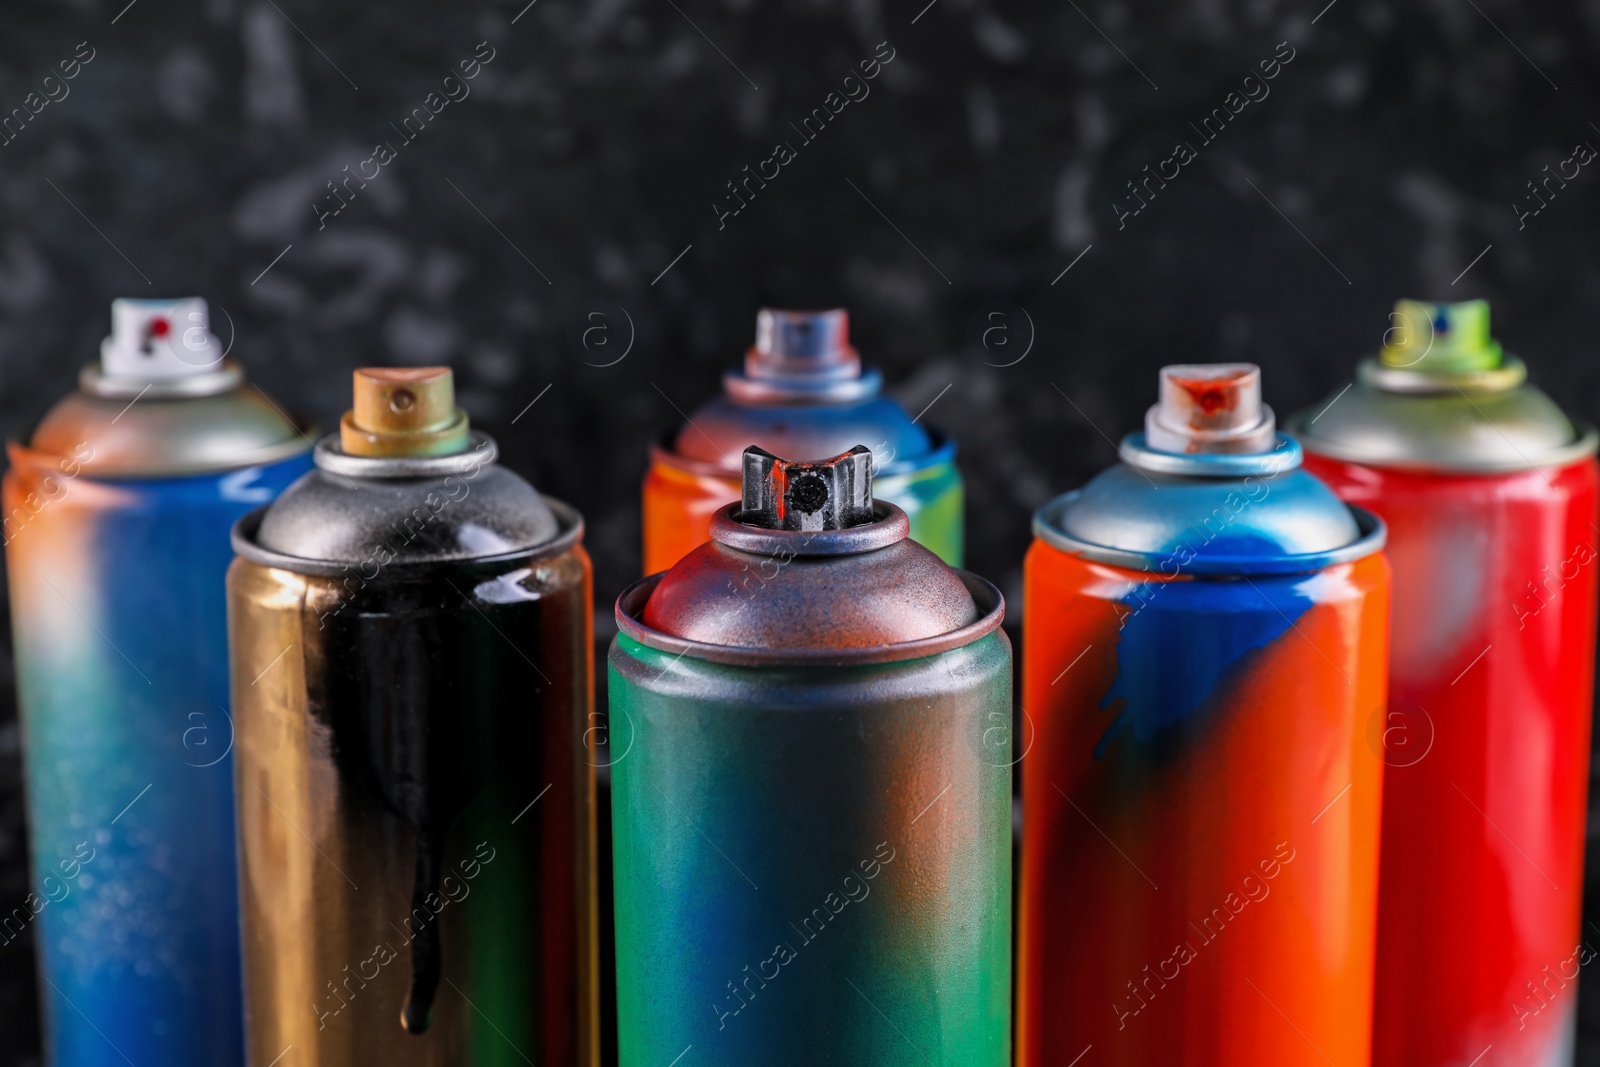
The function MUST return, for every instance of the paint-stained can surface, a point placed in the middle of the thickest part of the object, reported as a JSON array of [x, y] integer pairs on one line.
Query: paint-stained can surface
[[1204, 642], [412, 674], [802, 392], [811, 827], [117, 510], [1490, 495]]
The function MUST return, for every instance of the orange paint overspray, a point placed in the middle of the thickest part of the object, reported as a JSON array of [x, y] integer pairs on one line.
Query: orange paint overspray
[[678, 506]]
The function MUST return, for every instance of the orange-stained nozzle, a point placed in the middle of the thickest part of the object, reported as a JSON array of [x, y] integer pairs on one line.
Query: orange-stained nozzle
[[408, 411], [1210, 407]]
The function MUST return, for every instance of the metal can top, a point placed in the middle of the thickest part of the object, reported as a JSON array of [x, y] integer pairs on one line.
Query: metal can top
[[1224, 495], [164, 400], [802, 392], [403, 502], [1441, 395], [808, 569]]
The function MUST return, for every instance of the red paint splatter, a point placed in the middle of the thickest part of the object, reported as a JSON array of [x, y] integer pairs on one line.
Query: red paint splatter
[[1212, 395]]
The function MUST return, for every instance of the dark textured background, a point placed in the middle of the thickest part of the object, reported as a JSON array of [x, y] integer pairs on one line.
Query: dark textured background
[[189, 152]]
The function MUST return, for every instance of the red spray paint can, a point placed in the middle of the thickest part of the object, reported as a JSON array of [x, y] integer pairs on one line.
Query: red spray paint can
[[1489, 492]]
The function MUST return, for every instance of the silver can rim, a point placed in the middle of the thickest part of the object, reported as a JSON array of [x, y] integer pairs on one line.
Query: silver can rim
[[1373, 536], [331, 457], [819, 390], [1511, 373], [984, 593], [1286, 454], [889, 525], [227, 376]]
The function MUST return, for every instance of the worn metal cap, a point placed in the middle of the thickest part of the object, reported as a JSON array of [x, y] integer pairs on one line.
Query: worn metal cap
[[398, 507], [1442, 395], [808, 568], [1205, 503], [163, 402]]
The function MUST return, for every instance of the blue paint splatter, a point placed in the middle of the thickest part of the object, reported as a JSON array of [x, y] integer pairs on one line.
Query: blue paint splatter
[[1181, 639]]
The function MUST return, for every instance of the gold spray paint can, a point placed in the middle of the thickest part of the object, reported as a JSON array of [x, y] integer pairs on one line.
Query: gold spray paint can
[[413, 685]]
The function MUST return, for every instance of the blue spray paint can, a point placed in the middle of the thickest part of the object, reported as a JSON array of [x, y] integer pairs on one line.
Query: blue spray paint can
[[117, 511]]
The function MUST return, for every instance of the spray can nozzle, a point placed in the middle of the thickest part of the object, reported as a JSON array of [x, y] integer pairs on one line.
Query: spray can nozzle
[[802, 357], [1210, 407], [810, 344], [1440, 338], [159, 341], [828, 494], [404, 411]]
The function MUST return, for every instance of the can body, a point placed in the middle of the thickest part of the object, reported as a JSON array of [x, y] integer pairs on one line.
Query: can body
[[1483, 824], [415, 780], [679, 500], [119, 615], [1200, 842], [813, 864]]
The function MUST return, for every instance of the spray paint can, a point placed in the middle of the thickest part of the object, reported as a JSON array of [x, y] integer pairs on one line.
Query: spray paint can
[[1490, 496], [413, 679], [802, 392], [117, 509], [812, 837], [1206, 634]]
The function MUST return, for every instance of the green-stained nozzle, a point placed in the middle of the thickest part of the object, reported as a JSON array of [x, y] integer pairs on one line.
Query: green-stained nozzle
[[1440, 338]]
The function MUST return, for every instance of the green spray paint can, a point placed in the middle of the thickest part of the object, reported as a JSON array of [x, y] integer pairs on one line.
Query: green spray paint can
[[812, 790]]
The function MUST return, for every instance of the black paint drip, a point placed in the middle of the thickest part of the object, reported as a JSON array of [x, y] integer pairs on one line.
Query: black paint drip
[[392, 676], [425, 962]]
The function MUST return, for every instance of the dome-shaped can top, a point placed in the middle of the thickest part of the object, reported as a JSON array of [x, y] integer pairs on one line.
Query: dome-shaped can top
[[1442, 395], [1211, 482], [405, 482], [163, 400], [808, 565]]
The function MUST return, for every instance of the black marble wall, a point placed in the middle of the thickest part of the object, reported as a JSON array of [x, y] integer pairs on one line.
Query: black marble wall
[[584, 168]]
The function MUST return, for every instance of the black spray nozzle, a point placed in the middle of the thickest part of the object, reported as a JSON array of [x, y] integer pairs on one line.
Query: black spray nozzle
[[827, 494]]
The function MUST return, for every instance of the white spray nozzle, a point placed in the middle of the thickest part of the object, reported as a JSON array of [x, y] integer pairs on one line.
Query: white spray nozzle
[[159, 340]]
